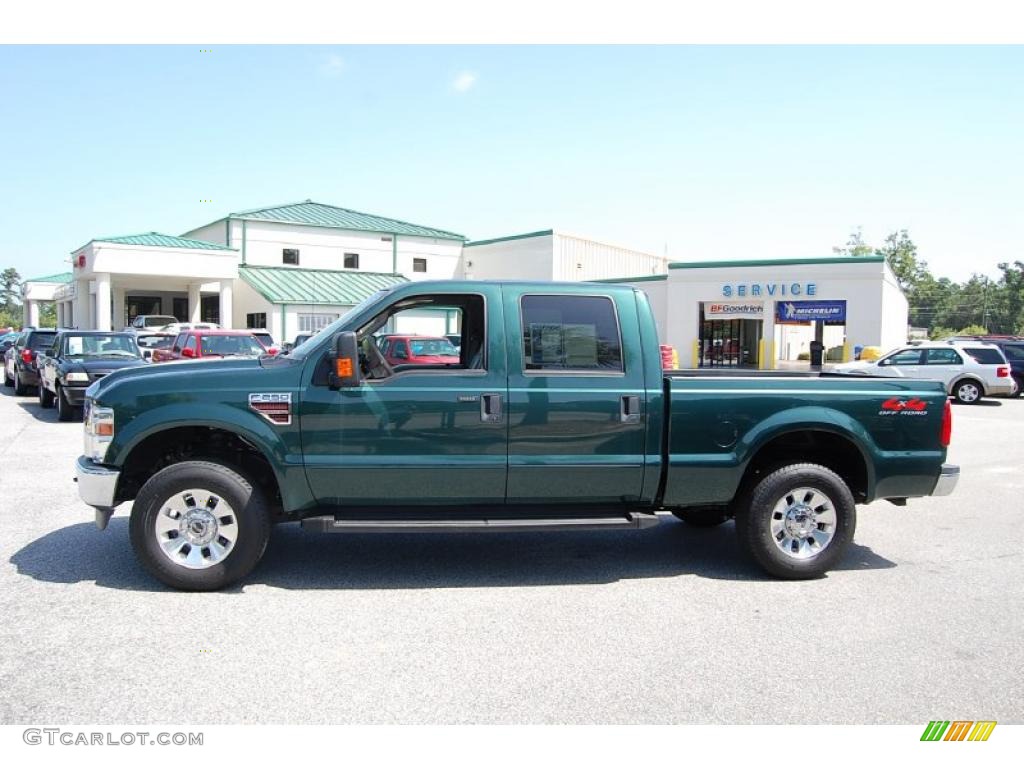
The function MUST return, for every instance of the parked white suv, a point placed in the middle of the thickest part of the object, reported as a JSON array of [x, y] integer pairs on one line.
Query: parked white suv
[[970, 370]]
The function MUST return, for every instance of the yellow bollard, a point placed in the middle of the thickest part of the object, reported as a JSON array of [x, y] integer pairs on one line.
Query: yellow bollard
[[696, 354], [760, 355], [847, 352]]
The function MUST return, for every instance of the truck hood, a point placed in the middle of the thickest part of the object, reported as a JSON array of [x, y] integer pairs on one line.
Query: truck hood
[[177, 375]]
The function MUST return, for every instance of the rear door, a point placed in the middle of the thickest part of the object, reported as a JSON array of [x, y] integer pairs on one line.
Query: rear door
[[577, 405], [942, 364]]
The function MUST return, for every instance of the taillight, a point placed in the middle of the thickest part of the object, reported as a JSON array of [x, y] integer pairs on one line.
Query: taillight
[[1003, 371], [27, 356], [947, 426]]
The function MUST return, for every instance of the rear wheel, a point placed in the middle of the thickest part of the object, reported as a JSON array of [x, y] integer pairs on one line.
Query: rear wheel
[[199, 525], [967, 392], [8, 381], [703, 517], [45, 397], [19, 388], [797, 522]]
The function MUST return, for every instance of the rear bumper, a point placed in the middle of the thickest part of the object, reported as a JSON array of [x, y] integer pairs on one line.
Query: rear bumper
[[1002, 389], [949, 475], [97, 485]]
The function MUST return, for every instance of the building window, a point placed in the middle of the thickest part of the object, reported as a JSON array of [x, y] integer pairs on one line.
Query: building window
[[570, 333], [290, 256], [256, 320], [351, 261], [310, 322], [419, 265]]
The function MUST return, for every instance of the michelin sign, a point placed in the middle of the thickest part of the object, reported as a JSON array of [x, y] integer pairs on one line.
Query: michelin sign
[[810, 311]]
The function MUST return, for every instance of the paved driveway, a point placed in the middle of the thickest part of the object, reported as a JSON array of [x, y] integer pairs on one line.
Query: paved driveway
[[923, 620]]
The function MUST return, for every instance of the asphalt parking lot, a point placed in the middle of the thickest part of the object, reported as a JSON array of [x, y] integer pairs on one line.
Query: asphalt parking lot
[[923, 620]]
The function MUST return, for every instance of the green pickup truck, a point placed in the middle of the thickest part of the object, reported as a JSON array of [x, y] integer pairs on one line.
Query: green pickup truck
[[558, 416]]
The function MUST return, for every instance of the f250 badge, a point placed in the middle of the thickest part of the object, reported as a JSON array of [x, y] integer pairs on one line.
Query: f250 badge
[[275, 407], [912, 407]]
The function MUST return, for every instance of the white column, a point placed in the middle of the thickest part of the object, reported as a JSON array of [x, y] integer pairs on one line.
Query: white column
[[103, 301], [195, 310], [60, 314], [226, 304], [69, 318], [118, 317], [80, 304]]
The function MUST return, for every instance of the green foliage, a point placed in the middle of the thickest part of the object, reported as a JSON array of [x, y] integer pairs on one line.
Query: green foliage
[[973, 330], [10, 281], [855, 246], [940, 332], [48, 315]]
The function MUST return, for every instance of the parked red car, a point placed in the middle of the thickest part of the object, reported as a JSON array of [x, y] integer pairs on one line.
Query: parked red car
[[419, 350], [201, 343]]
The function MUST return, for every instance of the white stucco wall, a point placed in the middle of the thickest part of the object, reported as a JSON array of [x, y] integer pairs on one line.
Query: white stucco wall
[[579, 258], [523, 258]]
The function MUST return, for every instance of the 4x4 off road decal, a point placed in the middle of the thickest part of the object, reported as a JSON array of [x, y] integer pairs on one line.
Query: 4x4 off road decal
[[896, 406], [275, 407]]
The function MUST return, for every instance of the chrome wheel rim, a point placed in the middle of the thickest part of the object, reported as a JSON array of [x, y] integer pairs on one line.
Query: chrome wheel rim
[[803, 523], [968, 392], [196, 528]]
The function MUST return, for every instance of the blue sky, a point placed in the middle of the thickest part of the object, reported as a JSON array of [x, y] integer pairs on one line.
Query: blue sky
[[708, 152]]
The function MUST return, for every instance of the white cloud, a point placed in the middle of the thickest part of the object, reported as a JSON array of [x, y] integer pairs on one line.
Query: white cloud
[[464, 81], [332, 65]]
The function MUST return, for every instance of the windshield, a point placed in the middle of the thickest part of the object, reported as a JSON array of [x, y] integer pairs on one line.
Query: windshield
[[432, 347], [151, 321], [305, 346], [100, 346], [231, 345]]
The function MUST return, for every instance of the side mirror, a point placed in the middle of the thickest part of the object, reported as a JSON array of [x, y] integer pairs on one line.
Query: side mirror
[[187, 352], [344, 360]]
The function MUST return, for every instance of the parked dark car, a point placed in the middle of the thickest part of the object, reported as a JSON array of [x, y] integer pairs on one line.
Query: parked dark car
[[20, 369], [78, 358]]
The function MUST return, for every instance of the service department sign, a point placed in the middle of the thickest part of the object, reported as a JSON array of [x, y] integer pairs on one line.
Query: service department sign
[[733, 310]]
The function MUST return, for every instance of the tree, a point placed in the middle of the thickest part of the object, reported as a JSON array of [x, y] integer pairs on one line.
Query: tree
[[855, 246], [10, 281], [901, 254]]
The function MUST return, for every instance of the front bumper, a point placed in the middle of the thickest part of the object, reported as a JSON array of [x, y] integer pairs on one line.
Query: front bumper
[[97, 485], [948, 477]]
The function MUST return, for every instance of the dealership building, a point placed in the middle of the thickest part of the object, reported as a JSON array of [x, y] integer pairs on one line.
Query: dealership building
[[295, 268]]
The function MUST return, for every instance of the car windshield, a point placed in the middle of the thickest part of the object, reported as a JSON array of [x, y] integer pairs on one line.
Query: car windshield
[[265, 339], [100, 346], [153, 321], [227, 346], [432, 347]]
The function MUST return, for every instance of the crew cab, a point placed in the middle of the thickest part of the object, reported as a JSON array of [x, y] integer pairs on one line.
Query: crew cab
[[196, 344], [558, 416], [78, 358]]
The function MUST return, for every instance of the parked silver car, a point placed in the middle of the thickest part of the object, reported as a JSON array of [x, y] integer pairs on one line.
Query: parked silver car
[[970, 370]]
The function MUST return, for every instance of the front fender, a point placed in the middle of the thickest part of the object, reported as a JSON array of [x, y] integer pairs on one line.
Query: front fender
[[254, 429]]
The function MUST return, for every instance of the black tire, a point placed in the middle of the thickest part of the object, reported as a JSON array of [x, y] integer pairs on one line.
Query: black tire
[[45, 397], [1020, 386], [702, 517], [65, 411], [968, 392], [8, 381], [756, 515], [244, 498], [19, 388]]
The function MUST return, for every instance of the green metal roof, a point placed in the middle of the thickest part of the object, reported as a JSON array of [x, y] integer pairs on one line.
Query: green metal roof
[[776, 262], [322, 215], [62, 277], [290, 285], [640, 279], [159, 240], [525, 236]]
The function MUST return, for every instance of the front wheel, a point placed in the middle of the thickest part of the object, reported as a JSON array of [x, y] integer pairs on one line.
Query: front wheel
[[199, 525], [967, 392], [797, 521], [45, 396], [65, 410]]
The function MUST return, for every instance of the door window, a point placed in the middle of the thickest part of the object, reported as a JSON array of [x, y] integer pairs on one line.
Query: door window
[[570, 333], [903, 357], [941, 357]]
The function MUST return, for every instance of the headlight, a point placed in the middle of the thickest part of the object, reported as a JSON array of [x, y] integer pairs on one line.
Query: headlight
[[77, 376], [99, 430]]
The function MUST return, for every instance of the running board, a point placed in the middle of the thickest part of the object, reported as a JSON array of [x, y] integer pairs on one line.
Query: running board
[[628, 520]]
